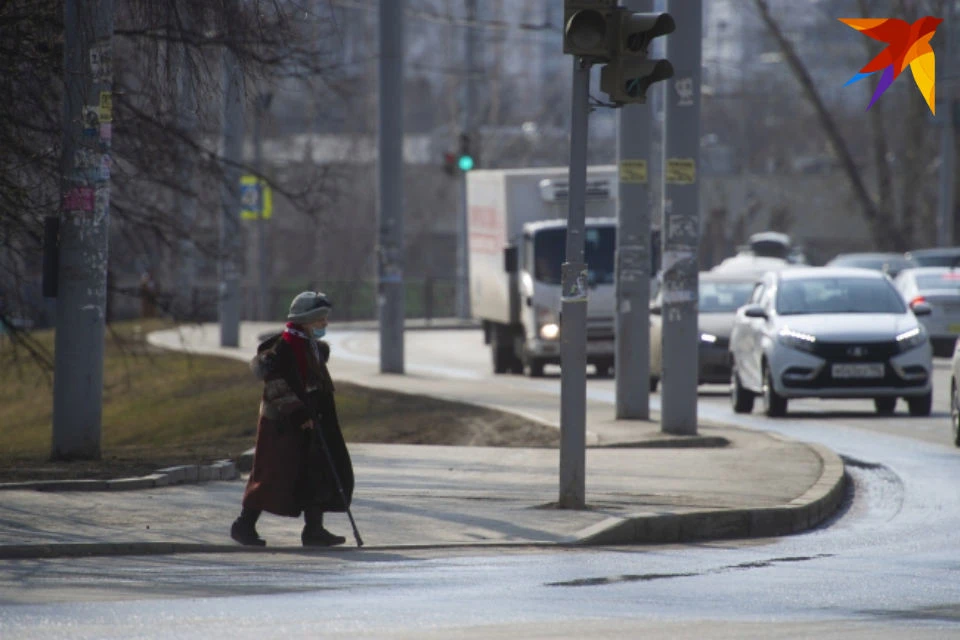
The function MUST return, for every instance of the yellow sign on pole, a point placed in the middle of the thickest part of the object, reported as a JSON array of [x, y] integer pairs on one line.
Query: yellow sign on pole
[[255, 196], [680, 171], [633, 171]]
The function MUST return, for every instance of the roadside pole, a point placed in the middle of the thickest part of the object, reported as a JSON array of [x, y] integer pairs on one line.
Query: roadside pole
[[573, 316], [948, 160], [390, 297], [83, 229], [232, 154], [633, 255], [262, 105], [681, 222], [187, 197], [466, 128]]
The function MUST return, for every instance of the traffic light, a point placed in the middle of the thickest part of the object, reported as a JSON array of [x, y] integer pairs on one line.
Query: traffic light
[[465, 160], [630, 73], [588, 27]]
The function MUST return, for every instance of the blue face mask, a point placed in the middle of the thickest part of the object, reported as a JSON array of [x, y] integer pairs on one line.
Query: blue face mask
[[319, 333]]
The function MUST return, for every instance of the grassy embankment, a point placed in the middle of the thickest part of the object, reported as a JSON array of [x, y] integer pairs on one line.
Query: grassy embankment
[[162, 408]]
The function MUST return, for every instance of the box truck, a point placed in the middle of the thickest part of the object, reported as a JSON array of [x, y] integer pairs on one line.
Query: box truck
[[517, 227]]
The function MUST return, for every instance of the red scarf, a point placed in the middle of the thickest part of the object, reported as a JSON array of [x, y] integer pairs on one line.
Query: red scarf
[[294, 336]]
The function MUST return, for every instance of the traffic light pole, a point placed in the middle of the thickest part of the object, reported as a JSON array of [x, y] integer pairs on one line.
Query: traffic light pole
[[390, 180], [469, 96], [633, 256], [83, 230], [681, 223], [573, 315]]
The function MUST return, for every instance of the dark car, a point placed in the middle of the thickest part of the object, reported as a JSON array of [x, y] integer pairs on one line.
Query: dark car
[[940, 257], [720, 294], [889, 263]]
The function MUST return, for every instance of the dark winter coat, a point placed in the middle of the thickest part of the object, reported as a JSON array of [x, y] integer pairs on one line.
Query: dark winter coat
[[290, 471]]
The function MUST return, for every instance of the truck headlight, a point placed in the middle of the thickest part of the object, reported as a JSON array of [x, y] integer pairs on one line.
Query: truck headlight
[[550, 331], [911, 339], [709, 338], [797, 340], [548, 324]]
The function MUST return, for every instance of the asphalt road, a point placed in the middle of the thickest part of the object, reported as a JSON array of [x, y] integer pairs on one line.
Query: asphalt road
[[888, 566]]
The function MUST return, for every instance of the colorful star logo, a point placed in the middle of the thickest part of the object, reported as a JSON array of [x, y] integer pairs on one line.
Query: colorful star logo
[[907, 44]]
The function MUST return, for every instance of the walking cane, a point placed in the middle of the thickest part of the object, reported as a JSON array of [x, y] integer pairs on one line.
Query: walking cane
[[336, 476]]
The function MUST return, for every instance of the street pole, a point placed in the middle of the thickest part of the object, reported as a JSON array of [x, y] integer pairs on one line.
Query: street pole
[[390, 180], [947, 141], [262, 104], [681, 222], [84, 225], [573, 314], [462, 289], [232, 154], [187, 198], [633, 255]]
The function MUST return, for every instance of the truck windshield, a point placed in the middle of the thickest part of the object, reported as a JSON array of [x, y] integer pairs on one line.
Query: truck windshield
[[550, 246]]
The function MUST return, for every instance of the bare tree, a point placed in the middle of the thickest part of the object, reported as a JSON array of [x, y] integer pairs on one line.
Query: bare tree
[[911, 133]]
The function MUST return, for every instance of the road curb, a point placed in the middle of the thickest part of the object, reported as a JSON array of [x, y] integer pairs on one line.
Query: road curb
[[803, 513], [184, 474]]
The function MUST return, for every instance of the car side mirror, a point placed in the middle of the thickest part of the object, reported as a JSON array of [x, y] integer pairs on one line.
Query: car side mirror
[[755, 311], [510, 259], [921, 309]]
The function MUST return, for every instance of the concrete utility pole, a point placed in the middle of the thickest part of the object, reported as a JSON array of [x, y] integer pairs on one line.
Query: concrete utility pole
[[390, 180], [948, 160], [633, 255], [186, 199], [573, 309], [262, 105], [232, 153], [681, 222], [84, 226], [467, 128]]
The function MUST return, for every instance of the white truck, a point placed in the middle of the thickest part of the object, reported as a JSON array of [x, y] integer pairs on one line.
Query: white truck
[[517, 221]]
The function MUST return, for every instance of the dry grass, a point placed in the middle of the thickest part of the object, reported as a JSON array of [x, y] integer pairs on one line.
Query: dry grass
[[162, 408]]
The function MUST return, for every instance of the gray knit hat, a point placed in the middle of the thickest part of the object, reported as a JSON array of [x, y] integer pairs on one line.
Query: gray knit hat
[[309, 306]]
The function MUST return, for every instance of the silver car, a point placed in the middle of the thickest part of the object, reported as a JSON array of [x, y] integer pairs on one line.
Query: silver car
[[938, 287], [830, 332], [955, 396], [720, 295]]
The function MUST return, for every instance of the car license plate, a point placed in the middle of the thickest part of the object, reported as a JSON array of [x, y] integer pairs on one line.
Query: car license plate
[[859, 370], [953, 327]]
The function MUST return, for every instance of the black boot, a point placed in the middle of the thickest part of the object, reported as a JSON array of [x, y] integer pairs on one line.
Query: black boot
[[244, 529], [314, 535]]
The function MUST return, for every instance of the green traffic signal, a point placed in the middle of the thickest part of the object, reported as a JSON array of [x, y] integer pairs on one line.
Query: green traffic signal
[[465, 163]]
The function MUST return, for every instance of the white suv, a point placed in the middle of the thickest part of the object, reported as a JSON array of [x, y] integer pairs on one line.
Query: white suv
[[826, 332]]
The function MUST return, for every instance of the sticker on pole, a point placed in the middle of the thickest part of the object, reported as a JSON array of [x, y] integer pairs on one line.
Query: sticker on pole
[[680, 171], [633, 171], [256, 198]]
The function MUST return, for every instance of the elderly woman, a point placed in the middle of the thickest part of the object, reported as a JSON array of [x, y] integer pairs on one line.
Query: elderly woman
[[290, 473]]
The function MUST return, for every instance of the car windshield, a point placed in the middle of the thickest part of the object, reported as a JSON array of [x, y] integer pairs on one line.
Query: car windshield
[[724, 297], [838, 295], [599, 245], [949, 281], [879, 263], [937, 259]]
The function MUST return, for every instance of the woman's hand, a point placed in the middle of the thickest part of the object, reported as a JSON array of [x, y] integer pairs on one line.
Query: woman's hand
[[307, 425]]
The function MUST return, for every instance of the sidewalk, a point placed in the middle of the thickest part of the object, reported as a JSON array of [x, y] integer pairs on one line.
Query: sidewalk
[[642, 486]]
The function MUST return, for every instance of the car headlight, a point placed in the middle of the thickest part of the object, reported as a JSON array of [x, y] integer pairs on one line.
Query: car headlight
[[797, 340], [548, 323], [911, 339], [708, 338]]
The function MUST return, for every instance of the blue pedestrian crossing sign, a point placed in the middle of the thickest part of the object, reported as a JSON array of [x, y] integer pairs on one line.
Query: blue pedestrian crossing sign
[[256, 197]]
